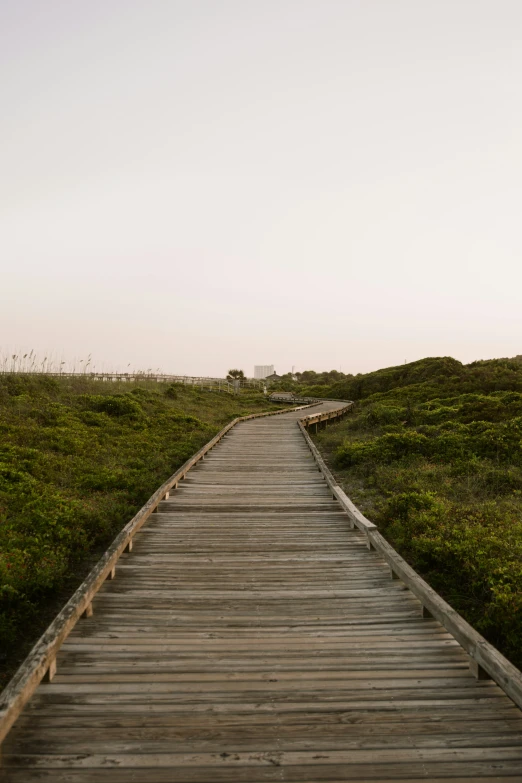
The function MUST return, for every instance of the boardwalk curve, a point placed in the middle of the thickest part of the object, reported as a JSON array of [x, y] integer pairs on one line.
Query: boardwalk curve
[[251, 635]]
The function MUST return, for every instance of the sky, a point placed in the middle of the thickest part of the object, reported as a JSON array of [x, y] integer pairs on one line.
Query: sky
[[195, 185]]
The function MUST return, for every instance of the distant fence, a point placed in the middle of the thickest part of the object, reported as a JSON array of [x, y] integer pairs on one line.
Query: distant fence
[[214, 384]]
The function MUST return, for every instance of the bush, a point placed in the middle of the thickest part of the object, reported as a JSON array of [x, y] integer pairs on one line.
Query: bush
[[117, 405], [385, 449], [379, 414], [401, 506]]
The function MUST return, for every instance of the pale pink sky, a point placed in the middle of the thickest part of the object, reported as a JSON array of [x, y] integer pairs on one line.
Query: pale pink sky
[[195, 185]]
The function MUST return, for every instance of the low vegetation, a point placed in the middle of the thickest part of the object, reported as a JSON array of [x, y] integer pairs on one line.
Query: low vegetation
[[77, 459], [433, 456]]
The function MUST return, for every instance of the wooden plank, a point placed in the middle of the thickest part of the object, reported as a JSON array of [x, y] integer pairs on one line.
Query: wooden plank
[[343, 759]]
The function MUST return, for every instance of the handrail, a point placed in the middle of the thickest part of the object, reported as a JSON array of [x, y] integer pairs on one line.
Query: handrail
[[41, 661], [485, 660], [281, 397], [327, 416]]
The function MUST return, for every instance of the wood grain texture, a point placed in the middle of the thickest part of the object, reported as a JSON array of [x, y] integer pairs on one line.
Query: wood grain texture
[[251, 635]]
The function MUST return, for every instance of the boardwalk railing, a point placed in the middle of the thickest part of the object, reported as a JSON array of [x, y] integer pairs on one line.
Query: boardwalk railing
[[320, 417], [326, 417], [485, 660], [293, 400], [41, 661]]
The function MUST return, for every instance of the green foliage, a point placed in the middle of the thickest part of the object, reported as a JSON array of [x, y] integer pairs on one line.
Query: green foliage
[[172, 391], [433, 454], [387, 448], [417, 381], [116, 405], [77, 459], [235, 374]]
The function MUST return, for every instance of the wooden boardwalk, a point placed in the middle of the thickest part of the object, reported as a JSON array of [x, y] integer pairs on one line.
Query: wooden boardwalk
[[252, 636]]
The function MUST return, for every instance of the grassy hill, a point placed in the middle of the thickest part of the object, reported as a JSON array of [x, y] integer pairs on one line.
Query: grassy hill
[[77, 459], [433, 455]]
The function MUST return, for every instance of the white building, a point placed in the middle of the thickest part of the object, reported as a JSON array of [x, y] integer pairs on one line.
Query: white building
[[263, 370]]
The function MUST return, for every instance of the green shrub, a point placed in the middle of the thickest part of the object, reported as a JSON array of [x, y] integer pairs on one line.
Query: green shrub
[[401, 506], [116, 405], [379, 414], [385, 449]]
